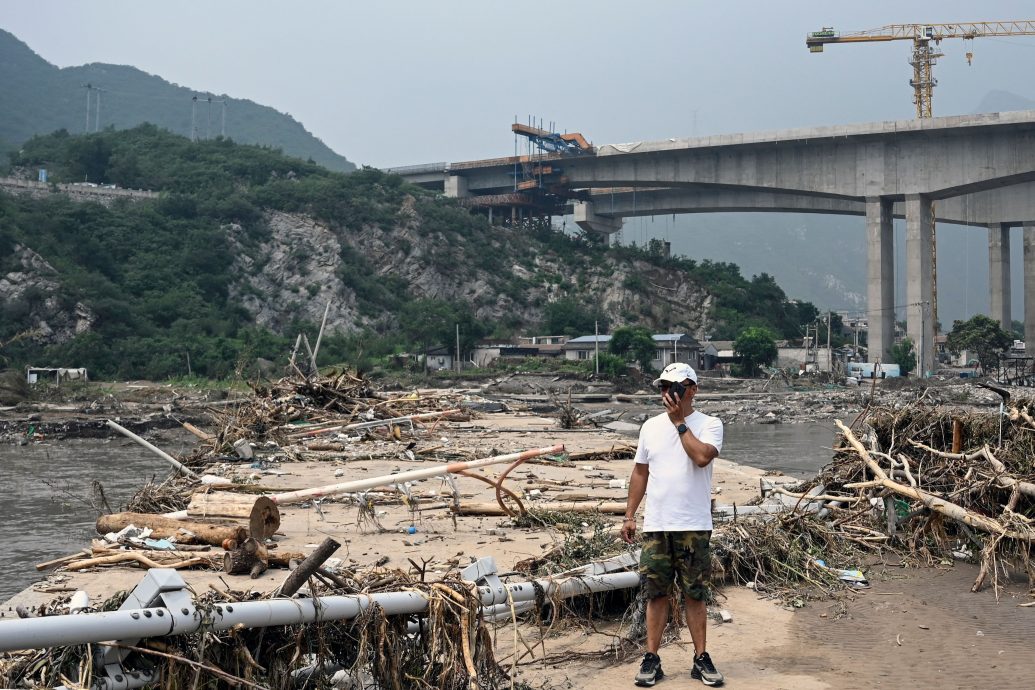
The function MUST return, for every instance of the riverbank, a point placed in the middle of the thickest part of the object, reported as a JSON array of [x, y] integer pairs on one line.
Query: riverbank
[[765, 645]]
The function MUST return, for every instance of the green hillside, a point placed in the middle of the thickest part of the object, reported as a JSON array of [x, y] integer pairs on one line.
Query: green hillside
[[143, 286], [40, 98]]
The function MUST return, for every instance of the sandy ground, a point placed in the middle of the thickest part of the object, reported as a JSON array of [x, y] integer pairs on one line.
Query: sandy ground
[[874, 640]]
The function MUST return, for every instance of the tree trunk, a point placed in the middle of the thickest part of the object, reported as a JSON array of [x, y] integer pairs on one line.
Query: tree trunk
[[162, 527], [262, 513], [250, 557]]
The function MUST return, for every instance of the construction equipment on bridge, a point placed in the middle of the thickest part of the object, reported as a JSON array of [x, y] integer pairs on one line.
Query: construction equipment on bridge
[[553, 142], [924, 54]]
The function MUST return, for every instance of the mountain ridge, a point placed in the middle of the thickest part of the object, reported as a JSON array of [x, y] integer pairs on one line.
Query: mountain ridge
[[43, 98]]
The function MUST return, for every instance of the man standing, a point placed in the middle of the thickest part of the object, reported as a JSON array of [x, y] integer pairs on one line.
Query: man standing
[[674, 469]]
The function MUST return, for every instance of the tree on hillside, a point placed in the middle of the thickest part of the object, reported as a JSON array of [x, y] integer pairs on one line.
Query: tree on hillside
[[904, 355], [981, 335], [432, 322], [633, 344], [755, 347], [569, 317]]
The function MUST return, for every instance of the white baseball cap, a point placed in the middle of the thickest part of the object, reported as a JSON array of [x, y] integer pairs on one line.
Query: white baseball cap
[[677, 372]]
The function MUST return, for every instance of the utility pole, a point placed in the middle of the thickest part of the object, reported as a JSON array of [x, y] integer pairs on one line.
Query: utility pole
[[596, 344], [88, 88], [458, 348], [194, 119], [830, 360]]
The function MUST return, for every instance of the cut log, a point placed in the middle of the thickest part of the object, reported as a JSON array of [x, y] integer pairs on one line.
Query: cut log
[[250, 557], [163, 527], [608, 507], [262, 513]]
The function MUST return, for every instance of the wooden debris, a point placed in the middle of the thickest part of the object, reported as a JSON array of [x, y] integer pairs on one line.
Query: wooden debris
[[609, 507], [163, 527], [261, 512]]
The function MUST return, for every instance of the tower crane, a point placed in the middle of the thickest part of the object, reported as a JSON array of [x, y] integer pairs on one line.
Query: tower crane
[[925, 55], [923, 59]]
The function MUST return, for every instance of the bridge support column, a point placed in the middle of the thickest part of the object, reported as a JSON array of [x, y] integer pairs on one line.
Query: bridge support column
[[587, 219], [999, 273], [880, 269], [455, 187], [919, 281], [1029, 286]]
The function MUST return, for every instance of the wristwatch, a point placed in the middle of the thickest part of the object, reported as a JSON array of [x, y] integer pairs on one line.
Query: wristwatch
[[681, 429]]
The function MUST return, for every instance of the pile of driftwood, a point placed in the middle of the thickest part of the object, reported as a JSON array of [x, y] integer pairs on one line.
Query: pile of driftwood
[[927, 483], [313, 409]]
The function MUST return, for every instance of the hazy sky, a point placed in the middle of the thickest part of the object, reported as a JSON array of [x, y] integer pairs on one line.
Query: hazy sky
[[393, 83]]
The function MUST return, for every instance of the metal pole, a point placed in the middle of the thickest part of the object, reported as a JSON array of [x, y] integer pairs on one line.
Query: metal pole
[[389, 479], [84, 628], [830, 360], [180, 467], [458, 348], [596, 344]]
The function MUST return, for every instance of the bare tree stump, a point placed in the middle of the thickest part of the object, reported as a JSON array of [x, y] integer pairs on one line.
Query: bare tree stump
[[249, 557]]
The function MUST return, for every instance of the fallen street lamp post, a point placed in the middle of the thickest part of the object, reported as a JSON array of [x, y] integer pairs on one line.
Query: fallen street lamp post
[[161, 605]]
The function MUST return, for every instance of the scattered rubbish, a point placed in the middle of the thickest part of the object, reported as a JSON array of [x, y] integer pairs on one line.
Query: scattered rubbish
[[79, 602], [853, 577], [243, 449]]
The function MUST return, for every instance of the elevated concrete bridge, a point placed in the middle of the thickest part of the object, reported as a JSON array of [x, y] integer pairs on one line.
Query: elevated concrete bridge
[[972, 170]]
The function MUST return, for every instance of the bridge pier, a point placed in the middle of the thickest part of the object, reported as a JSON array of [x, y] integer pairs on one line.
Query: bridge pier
[[587, 219], [999, 274], [456, 187], [880, 268], [1029, 285], [919, 281]]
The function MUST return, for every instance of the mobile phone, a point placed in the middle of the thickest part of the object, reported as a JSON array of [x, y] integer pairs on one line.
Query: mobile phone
[[676, 390]]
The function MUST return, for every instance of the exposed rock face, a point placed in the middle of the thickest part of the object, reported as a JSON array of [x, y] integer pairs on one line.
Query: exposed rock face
[[293, 276], [299, 270], [32, 294]]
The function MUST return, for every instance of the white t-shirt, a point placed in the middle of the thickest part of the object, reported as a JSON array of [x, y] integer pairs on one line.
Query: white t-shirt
[[678, 491]]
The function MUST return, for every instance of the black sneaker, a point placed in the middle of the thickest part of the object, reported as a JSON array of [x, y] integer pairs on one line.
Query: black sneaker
[[650, 671], [704, 671]]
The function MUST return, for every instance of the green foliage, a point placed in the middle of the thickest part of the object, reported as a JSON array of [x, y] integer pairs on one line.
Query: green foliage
[[633, 344], [161, 275], [755, 347], [982, 335], [430, 322], [904, 355], [569, 317], [611, 366]]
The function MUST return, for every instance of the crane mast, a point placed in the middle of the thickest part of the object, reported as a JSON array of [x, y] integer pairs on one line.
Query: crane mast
[[924, 57]]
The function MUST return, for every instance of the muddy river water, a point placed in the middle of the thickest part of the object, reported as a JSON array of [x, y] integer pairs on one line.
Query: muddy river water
[[47, 488]]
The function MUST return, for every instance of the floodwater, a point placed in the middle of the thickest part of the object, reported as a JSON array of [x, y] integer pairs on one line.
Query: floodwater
[[797, 450], [47, 511], [47, 487]]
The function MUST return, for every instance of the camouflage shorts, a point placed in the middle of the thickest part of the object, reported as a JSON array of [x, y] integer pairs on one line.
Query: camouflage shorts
[[682, 558]]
